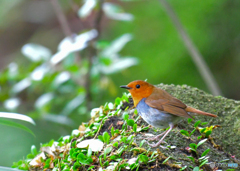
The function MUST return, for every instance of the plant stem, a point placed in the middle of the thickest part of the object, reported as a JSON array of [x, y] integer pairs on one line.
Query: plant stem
[[193, 51]]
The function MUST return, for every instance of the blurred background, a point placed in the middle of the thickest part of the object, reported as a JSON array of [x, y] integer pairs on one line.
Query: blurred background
[[59, 59]]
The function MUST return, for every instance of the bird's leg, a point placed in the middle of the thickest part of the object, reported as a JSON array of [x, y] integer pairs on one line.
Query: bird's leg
[[161, 140], [155, 137]]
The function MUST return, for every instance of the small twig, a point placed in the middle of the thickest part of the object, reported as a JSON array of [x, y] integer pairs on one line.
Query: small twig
[[97, 23], [63, 23], [98, 130], [75, 9], [62, 19], [88, 75], [193, 51], [110, 126]]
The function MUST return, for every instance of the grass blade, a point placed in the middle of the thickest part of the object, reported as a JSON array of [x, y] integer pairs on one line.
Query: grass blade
[[16, 125]]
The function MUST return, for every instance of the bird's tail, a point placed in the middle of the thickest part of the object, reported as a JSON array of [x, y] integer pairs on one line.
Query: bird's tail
[[193, 110]]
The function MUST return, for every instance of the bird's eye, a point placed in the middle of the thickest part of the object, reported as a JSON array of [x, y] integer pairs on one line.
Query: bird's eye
[[137, 86]]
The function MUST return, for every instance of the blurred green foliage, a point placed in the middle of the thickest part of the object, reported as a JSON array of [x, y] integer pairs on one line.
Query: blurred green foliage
[[55, 93]]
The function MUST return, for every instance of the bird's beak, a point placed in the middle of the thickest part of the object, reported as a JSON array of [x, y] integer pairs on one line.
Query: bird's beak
[[126, 87]]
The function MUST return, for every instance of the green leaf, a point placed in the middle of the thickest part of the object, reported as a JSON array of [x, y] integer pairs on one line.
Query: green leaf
[[144, 128], [115, 144], [48, 161], [30, 156], [51, 143], [190, 120], [154, 153], [196, 168], [46, 166], [134, 165], [16, 125], [193, 150], [124, 139], [193, 131], [197, 123], [204, 123], [199, 137], [100, 137], [135, 127], [201, 142], [125, 97], [124, 126], [60, 139], [100, 160], [34, 150], [205, 152], [105, 61], [73, 144], [204, 162], [130, 122], [118, 101], [184, 132], [83, 159], [143, 158], [116, 131], [183, 168], [166, 160], [75, 166], [202, 130], [130, 139], [141, 143], [89, 161], [208, 133], [125, 116], [106, 163], [193, 146], [102, 44], [106, 137], [89, 153], [191, 158], [135, 149], [108, 150], [113, 157]]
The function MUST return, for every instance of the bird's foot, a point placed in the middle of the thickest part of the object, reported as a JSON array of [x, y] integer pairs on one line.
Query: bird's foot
[[157, 144], [152, 138], [156, 137]]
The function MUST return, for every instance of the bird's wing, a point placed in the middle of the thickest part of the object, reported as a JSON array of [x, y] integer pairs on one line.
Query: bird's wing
[[163, 101]]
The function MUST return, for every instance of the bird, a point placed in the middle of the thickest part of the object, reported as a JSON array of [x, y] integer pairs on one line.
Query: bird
[[158, 108]]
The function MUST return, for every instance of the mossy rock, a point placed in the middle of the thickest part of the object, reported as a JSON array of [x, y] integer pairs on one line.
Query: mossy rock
[[227, 110], [223, 142]]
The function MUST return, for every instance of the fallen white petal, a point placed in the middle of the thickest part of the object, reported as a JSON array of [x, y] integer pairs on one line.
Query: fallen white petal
[[132, 160], [95, 145]]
